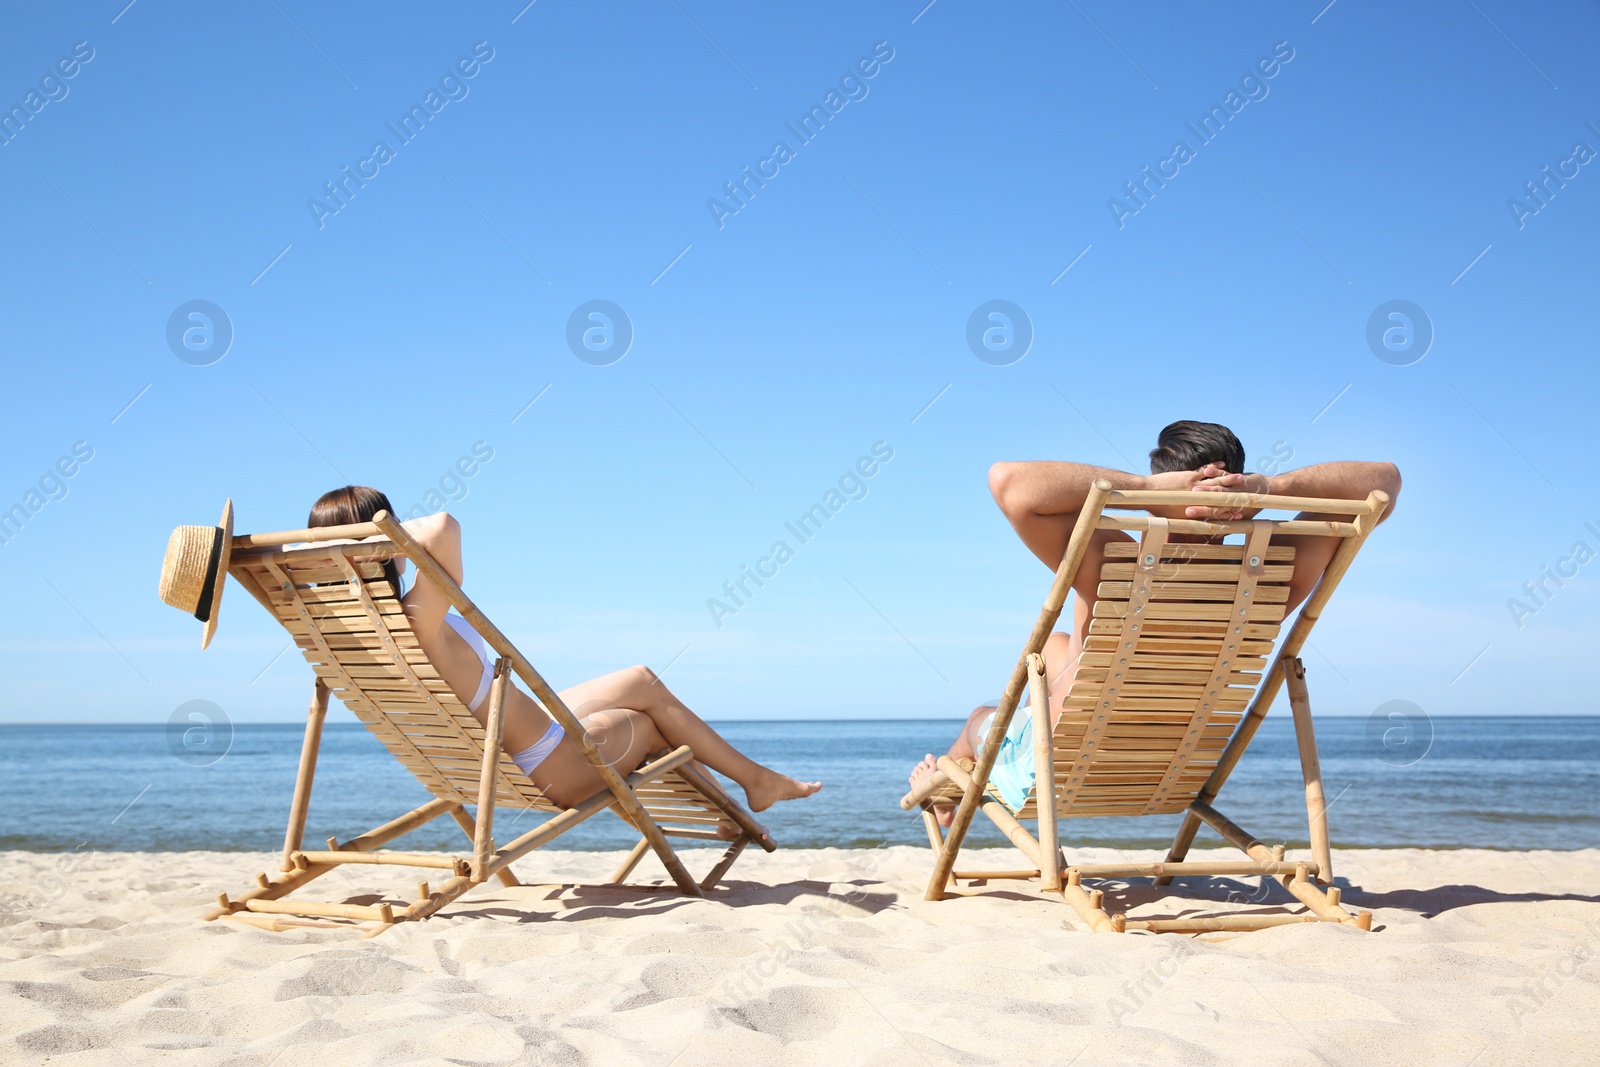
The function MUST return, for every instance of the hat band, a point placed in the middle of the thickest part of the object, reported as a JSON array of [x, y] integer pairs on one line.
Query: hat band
[[202, 610]]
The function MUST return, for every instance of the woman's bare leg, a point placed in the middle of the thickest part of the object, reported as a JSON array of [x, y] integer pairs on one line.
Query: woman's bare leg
[[638, 689], [625, 739]]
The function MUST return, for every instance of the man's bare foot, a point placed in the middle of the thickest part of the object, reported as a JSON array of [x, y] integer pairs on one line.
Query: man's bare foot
[[775, 787], [919, 773]]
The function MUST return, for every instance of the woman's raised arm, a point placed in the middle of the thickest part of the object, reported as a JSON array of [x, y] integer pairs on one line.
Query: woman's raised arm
[[427, 604]]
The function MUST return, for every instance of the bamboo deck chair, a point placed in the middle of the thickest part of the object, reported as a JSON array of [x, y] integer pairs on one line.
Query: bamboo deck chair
[[348, 622], [1171, 689]]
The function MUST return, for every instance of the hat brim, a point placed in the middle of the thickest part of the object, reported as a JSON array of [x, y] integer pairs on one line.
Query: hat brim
[[222, 573]]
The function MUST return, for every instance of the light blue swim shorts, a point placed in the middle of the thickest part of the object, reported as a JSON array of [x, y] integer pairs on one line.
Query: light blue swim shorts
[[1014, 769]]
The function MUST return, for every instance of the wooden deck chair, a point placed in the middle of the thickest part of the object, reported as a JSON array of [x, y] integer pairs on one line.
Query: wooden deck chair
[[1170, 690], [347, 620]]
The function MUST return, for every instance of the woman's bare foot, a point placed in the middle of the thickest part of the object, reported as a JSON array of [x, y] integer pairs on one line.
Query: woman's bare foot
[[729, 832], [775, 787], [919, 773]]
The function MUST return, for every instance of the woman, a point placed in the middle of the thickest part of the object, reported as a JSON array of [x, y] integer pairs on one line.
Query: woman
[[628, 714]]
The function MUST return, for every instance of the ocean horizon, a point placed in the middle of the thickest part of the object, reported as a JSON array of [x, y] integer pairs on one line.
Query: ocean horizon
[[1509, 782]]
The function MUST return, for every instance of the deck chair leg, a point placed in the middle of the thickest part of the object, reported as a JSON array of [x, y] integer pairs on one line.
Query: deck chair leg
[[972, 801], [1294, 673], [1044, 786], [653, 836], [1181, 843], [294, 835], [266, 889], [1324, 904], [1088, 903], [669, 858], [269, 889], [469, 826], [494, 734], [930, 822], [1003, 820], [738, 846], [632, 861]]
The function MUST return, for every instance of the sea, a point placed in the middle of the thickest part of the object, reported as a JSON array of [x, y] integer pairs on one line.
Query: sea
[[1509, 782]]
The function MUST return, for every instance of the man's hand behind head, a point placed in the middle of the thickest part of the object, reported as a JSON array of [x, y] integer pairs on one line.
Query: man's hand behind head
[[1178, 480], [1215, 479], [1211, 478]]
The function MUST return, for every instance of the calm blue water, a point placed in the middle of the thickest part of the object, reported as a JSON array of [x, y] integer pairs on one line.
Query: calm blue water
[[1484, 783]]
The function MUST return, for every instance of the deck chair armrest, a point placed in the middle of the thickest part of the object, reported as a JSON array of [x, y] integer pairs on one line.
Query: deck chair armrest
[[356, 531]]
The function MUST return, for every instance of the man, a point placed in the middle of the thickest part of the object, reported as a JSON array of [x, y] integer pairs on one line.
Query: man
[[1042, 500]]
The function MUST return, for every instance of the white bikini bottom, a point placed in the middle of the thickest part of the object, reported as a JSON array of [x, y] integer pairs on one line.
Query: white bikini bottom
[[540, 750]]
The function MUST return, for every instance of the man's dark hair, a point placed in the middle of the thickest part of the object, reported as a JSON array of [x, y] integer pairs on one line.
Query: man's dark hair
[[1188, 446]]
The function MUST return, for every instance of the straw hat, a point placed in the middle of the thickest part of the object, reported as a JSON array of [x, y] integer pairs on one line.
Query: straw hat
[[196, 568]]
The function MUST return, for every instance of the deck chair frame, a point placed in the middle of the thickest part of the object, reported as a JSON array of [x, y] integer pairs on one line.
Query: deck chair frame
[[669, 782], [1309, 881]]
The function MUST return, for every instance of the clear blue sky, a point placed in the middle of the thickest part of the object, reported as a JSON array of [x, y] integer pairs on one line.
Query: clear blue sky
[[771, 352]]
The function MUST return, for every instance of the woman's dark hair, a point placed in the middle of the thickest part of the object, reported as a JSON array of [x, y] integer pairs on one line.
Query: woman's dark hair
[[352, 504], [1188, 446]]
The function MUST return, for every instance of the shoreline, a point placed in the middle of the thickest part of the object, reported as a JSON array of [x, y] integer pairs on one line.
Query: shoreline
[[348, 719]]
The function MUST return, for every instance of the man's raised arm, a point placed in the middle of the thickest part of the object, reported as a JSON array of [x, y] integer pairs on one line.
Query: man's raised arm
[[1342, 480], [1042, 498], [1347, 480]]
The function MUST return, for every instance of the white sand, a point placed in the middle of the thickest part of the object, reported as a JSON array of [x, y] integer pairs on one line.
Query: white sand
[[812, 957]]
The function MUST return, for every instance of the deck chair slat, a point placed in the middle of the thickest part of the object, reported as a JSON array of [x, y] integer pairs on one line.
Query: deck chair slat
[[375, 676], [1152, 676], [1157, 609], [1191, 591], [1187, 629], [1124, 703], [437, 749], [366, 657], [328, 575], [362, 625], [1157, 661], [1148, 689], [339, 641], [1195, 572], [1192, 550], [398, 689], [384, 670], [687, 816], [1129, 730], [1076, 719], [1153, 652], [1127, 702], [332, 594], [325, 609]]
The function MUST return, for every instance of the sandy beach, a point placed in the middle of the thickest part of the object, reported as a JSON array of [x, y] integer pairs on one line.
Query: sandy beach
[[823, 956]]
